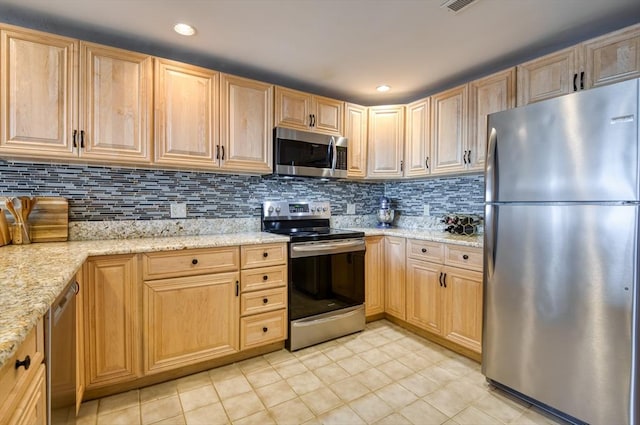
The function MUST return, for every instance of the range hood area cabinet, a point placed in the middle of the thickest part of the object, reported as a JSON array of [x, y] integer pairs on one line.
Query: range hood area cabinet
[[303, 111], [53, 108], [597, 62]]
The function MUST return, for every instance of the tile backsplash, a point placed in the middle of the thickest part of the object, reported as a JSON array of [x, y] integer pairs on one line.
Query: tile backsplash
[[99, 193]]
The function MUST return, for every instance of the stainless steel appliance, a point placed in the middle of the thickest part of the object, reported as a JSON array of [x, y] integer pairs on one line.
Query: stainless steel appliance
[[301, 153], [385, 213], [326, 272], [60, 352], [562, 227]]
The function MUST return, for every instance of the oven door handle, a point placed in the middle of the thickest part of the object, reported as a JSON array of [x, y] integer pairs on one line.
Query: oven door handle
[[327, 248]]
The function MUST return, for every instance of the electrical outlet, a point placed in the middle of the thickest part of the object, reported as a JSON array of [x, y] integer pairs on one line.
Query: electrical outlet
[[351, 208], [425, 209], [178, 210]]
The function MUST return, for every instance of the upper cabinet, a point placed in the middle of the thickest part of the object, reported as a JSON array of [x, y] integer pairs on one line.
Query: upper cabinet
[[246, 114], [186, 111], [51, 110], [355, 130], [603, 60], [303, 111], [449, 131], [417, 144], [386, 141]]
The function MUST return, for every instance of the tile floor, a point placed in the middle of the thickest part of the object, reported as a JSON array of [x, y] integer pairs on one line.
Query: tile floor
[[384, 375]]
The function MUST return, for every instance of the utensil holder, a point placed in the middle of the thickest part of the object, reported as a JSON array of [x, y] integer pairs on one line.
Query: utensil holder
[[21, 234]]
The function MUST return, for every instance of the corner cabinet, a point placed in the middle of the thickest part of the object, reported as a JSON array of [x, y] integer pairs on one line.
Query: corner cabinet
[[246, 114], [355, 130], [386, 141], [303, 111], [112, 325], [394, 275], [374, 275]]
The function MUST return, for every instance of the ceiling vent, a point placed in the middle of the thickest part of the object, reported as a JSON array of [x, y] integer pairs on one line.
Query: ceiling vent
[[457, 6]]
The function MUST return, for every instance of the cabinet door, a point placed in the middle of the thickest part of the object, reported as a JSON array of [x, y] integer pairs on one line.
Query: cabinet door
[[449, 130], [186, 105], [386, 141], [80, 329], [189, 319], [355, 130], [112, 335], [464, 308], [116, 104], [418, 139], [327, 115], [425, 296], [491, 94], [32, 409], [547, 77], [293, 109], [613, 57], [38, 77], [395, 291], [374, 275], [246, 116]]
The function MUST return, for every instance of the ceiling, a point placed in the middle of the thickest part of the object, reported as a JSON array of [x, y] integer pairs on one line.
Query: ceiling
[[339, 48]]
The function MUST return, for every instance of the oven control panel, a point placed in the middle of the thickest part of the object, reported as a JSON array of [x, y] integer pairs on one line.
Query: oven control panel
[[295, 210]]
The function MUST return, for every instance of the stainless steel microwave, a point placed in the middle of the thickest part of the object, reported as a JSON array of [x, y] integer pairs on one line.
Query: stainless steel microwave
[[302, 153]]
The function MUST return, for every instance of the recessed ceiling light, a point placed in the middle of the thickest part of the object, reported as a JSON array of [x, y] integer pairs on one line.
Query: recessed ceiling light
[[184, 29], [383, 88]]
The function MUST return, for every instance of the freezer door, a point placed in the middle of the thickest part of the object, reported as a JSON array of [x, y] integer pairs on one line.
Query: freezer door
[[579, 147], [559, 287]]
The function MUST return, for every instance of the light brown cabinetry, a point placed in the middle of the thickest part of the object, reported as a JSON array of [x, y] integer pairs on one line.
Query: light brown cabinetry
[[263, 297], [192, 317], [547, 77], [612, 58], [417, 146], [444, 291], [112, 324], [246, 114], [50, 109], [374, 275], [23, 388], [385, 141], [355, 130], [449, 120], [303, 111], [395, 290], [186, 112]]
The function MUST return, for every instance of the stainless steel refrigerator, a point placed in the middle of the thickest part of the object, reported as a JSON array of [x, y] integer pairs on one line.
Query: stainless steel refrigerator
[[561, 254]]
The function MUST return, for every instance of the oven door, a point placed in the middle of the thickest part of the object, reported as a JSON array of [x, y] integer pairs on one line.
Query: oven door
[[325, 276]]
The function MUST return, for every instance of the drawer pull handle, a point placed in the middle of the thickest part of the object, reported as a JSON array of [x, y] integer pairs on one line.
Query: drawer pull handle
[[265, 254], [424, 250], [26, 363], [194, 261], [265, 300], [465, 257], [265, 277], [265, 329]]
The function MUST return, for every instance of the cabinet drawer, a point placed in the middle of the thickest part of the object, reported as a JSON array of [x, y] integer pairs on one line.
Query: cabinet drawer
[[263, 255], [14, 381], [263, 278], [263, 329], [263, 301], [464, 257], [425, 250], [190, 262]]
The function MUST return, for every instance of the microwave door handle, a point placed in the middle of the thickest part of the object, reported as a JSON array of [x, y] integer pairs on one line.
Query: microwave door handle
[[334, 152]]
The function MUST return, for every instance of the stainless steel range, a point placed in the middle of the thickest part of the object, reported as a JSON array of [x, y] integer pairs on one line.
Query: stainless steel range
[[326, 272]]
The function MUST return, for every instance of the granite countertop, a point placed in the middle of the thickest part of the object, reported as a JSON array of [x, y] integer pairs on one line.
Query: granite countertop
[[32, 276]]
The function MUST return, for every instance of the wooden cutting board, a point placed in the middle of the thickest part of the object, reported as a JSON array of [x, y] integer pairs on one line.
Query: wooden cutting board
[[49, 219]]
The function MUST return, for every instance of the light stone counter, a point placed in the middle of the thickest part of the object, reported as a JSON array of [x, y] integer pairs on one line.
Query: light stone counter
[[475, 241], [32, 276]]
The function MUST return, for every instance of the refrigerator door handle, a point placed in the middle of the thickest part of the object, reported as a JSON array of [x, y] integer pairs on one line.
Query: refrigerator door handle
[[490, 245], [492, 166]]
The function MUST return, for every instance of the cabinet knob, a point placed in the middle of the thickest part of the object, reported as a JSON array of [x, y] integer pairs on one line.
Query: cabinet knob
[[465, 257], [26, 363], [265, 329], [265, 300], [265, 277], [194, 261], [265, 254], [424, 250]]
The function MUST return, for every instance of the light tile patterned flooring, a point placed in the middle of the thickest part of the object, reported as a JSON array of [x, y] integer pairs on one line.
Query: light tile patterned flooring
[[384, 375]]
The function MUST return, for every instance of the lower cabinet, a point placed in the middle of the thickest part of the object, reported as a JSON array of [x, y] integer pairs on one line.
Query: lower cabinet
[[395, 291], [463, 307], [112, 320], [374, 261]]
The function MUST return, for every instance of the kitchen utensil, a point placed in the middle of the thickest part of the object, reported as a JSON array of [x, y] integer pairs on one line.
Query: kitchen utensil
[[5, 234], [385, 213]]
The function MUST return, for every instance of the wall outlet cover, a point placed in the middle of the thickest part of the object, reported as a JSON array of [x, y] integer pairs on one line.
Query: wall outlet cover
[[425, 209], [351, 208], [178, 210]]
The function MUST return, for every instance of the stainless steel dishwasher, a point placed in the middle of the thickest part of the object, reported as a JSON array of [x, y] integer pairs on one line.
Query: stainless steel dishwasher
[[60, 356]]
